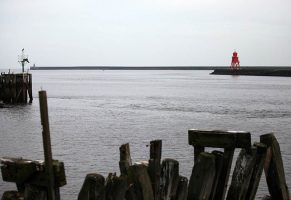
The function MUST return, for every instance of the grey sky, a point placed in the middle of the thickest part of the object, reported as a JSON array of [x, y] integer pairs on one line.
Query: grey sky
[[145, 32]]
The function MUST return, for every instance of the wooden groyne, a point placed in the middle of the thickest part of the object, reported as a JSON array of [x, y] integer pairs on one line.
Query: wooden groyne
[[157, 178], [15, 88], [285, 72]]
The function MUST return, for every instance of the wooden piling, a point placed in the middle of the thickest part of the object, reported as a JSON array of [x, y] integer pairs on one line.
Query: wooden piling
[[169, 179], [242, 175], [257, 171], [202, 177], [47, 144], [93, 188], [219, 160], [182, 189], [15, 87], [125, 159], [139, 178], [154, 168], [274, 170], [115, 187]]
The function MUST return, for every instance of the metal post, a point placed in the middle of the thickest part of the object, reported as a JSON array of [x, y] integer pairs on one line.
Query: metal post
[[47, 144]]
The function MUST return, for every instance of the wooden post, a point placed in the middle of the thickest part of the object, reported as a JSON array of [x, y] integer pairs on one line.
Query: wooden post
[[154, 168], [258, 169], [30, 88], [182, 189], [202, 177], [242, 175], [219, 158], [169, 179], [115, 187], [93, 188], [197, 150], [125, 159], [140, 179], [274, 170], [47, 144]]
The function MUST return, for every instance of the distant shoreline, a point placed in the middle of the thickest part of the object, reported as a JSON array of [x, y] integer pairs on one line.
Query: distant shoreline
[[153, 67]]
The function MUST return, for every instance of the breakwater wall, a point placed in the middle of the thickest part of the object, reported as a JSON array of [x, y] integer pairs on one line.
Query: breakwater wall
[[256, 71]]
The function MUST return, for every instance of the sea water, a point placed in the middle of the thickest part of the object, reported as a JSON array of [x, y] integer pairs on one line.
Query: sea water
[[93, 112]]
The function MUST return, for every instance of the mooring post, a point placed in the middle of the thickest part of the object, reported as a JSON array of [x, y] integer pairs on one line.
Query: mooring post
[[47, 144]]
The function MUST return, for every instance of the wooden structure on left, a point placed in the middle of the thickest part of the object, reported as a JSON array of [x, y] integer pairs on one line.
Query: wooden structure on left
[[15, 88]]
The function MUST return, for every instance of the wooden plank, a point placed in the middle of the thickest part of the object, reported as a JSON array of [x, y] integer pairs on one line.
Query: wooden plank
[[202, 177], [274, 170], [258, 169], [219, 139], [242, 175], [125, 159], [169, 179], [93, 188]]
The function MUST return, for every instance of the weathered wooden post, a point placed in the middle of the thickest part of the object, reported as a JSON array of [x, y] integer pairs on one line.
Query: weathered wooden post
[[125, 159], [30, 88], [115, 187], [47, 145], [169, 179], [257, 171], [274, 170], [202, 177], [154, 168], [93, 188], [242, 175], [140, 180]]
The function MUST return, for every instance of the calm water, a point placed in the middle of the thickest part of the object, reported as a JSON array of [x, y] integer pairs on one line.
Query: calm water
[[93, 112]]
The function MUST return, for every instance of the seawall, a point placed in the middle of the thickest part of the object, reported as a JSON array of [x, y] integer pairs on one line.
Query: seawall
[[256, 71]]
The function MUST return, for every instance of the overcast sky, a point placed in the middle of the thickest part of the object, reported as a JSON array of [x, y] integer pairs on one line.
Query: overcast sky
[[145, 32]]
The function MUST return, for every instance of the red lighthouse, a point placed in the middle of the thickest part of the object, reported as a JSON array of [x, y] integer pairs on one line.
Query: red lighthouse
[[234, 62]]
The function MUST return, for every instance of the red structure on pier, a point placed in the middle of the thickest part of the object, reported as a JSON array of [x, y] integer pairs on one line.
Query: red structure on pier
[[234, 62]]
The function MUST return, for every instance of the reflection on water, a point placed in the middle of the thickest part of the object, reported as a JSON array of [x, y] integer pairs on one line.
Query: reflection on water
[[93, 112]]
